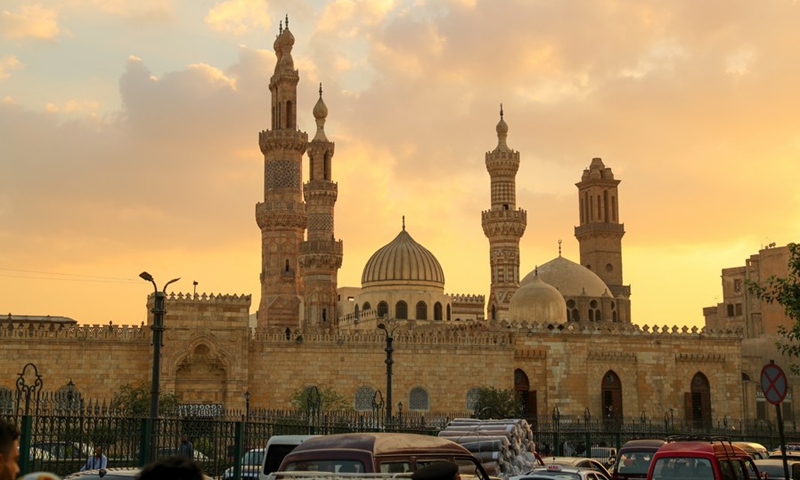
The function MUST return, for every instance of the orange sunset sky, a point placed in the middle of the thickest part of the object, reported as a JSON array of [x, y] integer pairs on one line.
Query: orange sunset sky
[[129, 129]]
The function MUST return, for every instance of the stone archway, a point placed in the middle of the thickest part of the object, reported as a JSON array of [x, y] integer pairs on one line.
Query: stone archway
[[201, 378], [522, 387], [612, 398], [698, 402]]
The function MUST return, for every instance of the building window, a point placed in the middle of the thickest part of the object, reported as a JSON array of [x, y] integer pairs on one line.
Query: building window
[[591, 315], [366, 306], [437, 311], [422, 311], [401, 310], [786, 405], [383, 309], [730, 309], [418, 399], [448, 313], [364, 396], [761, 404], [738, 309], [737, 285], [575, 315]]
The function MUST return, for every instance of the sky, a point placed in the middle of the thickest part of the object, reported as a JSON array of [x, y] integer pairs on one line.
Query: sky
[[129, 138]]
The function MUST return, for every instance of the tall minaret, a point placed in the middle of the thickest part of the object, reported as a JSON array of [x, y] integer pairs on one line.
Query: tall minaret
[[321, 254], [600, 233], [282, 215], [504, 224]]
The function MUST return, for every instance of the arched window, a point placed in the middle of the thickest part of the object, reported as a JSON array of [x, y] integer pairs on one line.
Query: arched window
[[383, 309], [327, 166], [324, 315], [286, 266], [598, 316], [363, 400], [401, 310], [472, 398], [437, 311], [614, 316], [591, 315], [575, 315], [422, 311], [366, 306], [289, 114], [418, 399], [699, 407], [494, 312], [611, 389], [448, 312], [356, 311], [522, 387]]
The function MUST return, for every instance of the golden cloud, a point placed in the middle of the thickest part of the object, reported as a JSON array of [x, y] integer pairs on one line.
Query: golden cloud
[[7, 63], [238, 17], [32, 21]]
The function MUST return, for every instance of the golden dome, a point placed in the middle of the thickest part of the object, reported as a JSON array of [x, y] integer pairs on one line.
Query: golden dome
[[537, 301], [403, 262], [570, 278]]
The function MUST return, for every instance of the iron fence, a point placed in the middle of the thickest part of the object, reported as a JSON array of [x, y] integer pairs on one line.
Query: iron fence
[[61, 440]]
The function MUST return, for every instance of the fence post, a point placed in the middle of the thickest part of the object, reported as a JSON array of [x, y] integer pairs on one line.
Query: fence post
[[146, 430], [238, 450], [25, 444]]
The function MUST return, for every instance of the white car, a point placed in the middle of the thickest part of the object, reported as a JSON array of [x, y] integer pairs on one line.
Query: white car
[[559, 472], [251, 465]]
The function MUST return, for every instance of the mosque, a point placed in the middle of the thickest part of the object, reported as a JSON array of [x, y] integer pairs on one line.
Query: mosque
[[562, 335]]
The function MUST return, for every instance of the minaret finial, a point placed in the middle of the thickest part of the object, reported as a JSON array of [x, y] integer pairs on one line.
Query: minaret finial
[[501, 110], [536, 270], [287, 21], [559, 247], [280, 27], [320, 89], [404, 223]]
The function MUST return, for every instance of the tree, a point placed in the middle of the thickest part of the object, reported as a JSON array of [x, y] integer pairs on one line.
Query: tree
[[785, 291], [134, 400], [329, 399], [491, 402]]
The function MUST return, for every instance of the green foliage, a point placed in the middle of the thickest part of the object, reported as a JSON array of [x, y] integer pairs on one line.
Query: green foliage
[[495, 403], [785, 291], [328, 399], [134, 400]]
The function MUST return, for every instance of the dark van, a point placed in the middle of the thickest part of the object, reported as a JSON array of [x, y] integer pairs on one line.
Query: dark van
[[633, 459], [387, 453]]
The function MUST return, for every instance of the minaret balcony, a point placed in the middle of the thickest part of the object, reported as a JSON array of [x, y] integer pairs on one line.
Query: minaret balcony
[[616, 229], [274, 140], [332, 247]]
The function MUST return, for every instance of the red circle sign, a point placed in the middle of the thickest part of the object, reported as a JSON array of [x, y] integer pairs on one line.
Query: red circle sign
[[773, 383]]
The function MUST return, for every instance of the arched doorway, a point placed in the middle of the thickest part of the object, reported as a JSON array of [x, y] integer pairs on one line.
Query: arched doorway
[[611, 389], [527, 398], [698, 402]]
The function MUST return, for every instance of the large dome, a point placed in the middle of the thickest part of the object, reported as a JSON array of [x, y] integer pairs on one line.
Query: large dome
[[570, 278], [537, 301], [403, 262]]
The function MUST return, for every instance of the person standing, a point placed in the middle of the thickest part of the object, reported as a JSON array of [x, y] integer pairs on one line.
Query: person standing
[[186, 448], [98, 461], [9, 450]]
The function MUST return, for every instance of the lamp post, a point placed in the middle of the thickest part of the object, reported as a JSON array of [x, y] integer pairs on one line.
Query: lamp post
[[157, 327], [389, 362]]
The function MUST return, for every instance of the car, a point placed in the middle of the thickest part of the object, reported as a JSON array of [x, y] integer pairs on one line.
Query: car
[[702, 458], [559, 472], [773, 468], [109, 474], [582, 462], [633, 459], [251, 465], [66, 450], [755, 450]]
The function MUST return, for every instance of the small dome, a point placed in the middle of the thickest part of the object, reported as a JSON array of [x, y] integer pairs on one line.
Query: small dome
[[403, 262], [320, 109], [502, 127], [570, 278], [537, 301]]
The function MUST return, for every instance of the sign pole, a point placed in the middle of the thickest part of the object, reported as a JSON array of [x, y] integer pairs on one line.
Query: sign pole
[[775, 385]]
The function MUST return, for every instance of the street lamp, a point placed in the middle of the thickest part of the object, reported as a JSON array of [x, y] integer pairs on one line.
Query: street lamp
[[157, 327], [389, 362]]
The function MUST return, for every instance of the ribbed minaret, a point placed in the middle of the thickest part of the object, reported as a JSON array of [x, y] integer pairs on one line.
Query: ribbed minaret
[[504, 224], [321, 253], [282, 215], [600, 233]]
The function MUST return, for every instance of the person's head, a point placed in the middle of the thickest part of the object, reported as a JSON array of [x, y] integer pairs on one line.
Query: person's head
[[9, 450], [98, 450], [185, 438], [172, 468]]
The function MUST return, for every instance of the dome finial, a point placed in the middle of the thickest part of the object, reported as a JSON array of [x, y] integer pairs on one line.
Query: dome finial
[[287, 21], [404, 222], [501, 111], [280, 26], [536, 270], [559, 247], [320, 89]]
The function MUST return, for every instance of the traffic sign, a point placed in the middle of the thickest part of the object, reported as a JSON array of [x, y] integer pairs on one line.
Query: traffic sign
[[773, 383]]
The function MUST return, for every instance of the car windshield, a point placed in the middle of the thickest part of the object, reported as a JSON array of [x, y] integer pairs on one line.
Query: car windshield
[[253, 457], [677, 468], [634, 462]]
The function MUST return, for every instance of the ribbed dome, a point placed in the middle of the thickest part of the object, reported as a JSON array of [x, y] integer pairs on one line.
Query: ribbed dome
[[570, 278], [537, 301], [403, 262]]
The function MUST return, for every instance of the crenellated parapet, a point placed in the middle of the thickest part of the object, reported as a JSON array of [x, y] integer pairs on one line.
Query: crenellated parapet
[[467, 298], [208, 298], [620, 329], [109, 332]]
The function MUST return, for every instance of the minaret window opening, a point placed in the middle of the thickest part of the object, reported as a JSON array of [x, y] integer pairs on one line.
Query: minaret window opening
[[437, 311], [327, 166], [505, 206], [605, 206], [613, 208], [289, 114], [286, 266], [310, 167], [599, 208], [591, 315], [583, 218], [422, 311], [591, 208], [494, 312], [324, 315], [401, 310]]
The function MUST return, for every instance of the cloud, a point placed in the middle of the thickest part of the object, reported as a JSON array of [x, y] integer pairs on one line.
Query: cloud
[[31, 21], [238, 17], [8, 63]]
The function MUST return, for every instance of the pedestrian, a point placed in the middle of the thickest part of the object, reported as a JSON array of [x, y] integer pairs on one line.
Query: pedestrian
[[98, 461], [186, 448], [9, 450], [172, 468]]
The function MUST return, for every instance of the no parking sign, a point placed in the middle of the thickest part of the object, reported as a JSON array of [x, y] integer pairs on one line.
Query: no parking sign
[[773, 383]]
